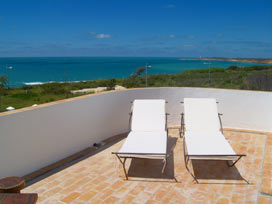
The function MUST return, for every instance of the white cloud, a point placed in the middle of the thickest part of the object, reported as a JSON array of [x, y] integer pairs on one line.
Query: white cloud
[[100, 35], [171, 36], [170, 6]]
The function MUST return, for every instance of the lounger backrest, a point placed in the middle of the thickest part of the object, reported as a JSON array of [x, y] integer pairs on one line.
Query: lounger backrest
[[148, 115], [200, 114]]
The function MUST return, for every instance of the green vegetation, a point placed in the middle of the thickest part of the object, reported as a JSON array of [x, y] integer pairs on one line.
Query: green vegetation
[[29, 95], [234, 77]]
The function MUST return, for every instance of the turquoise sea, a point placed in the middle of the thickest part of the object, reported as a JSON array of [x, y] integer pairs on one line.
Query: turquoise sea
[[35, 70]]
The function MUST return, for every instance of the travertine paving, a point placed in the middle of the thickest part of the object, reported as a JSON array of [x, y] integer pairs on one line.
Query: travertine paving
[[100, 178]]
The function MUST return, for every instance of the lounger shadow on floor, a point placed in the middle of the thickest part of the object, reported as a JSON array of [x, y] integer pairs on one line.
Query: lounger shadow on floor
[[152, 168], [214, 171]]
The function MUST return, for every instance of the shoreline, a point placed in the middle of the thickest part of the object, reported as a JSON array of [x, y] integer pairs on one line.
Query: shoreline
[[251, 60]]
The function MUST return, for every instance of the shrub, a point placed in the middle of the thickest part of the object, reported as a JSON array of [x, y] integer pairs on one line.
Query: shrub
[[110, 84], [260, 81], [233, 67], [54, 88], [24, 96], [213, 69], [256, 68], [139, 71], [3, 81]]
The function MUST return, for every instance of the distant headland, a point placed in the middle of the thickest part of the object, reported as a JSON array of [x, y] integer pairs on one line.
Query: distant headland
[[254, 60]]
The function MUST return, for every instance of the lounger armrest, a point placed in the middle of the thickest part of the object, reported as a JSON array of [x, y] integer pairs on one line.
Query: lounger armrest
[[129, 122], [166, 128], [182, 125], [220, 121]]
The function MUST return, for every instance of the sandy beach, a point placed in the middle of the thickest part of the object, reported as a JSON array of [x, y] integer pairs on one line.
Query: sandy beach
[[96, 90], [253, 60]]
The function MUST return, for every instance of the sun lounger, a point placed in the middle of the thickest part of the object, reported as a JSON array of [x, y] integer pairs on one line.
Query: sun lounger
[[148, 136], [203, 133]]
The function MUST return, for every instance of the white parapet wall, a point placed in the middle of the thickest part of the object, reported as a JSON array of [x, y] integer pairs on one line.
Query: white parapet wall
[[32, 139]]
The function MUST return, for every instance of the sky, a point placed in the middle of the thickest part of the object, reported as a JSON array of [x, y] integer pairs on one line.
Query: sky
[[159, 28]]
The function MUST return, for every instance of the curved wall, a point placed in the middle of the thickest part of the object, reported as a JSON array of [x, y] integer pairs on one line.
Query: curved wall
[[32, 139]]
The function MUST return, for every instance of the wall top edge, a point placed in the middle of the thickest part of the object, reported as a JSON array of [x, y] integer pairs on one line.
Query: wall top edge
[[114, 91]]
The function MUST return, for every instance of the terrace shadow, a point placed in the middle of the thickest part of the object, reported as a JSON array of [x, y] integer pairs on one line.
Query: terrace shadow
[[152, 168], [216, 171]]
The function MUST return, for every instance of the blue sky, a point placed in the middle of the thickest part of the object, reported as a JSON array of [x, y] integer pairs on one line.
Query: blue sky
[[227, 28]]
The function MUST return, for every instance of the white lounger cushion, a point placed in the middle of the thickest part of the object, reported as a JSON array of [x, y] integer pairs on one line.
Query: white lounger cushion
[[207, 143], [145, 143], [201, 114], [148, 115]]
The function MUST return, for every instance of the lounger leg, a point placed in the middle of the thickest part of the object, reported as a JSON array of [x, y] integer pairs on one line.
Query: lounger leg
[[221, 126], [124, 167], [181, 130], [164, 165], [184, 153], [186, 165], [123, 164], [186, 160], [231, 165]]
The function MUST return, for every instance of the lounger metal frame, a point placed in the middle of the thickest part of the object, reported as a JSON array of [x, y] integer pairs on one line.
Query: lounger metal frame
[[132, 155], [234, 157]]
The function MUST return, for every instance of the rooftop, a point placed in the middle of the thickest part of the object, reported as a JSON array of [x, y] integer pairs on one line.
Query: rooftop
[[98, 176]]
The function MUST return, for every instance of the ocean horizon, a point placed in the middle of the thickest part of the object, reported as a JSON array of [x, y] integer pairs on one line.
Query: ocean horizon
[[39, 70]]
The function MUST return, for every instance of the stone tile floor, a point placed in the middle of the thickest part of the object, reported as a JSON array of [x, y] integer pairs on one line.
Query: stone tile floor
[[100, 178]]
